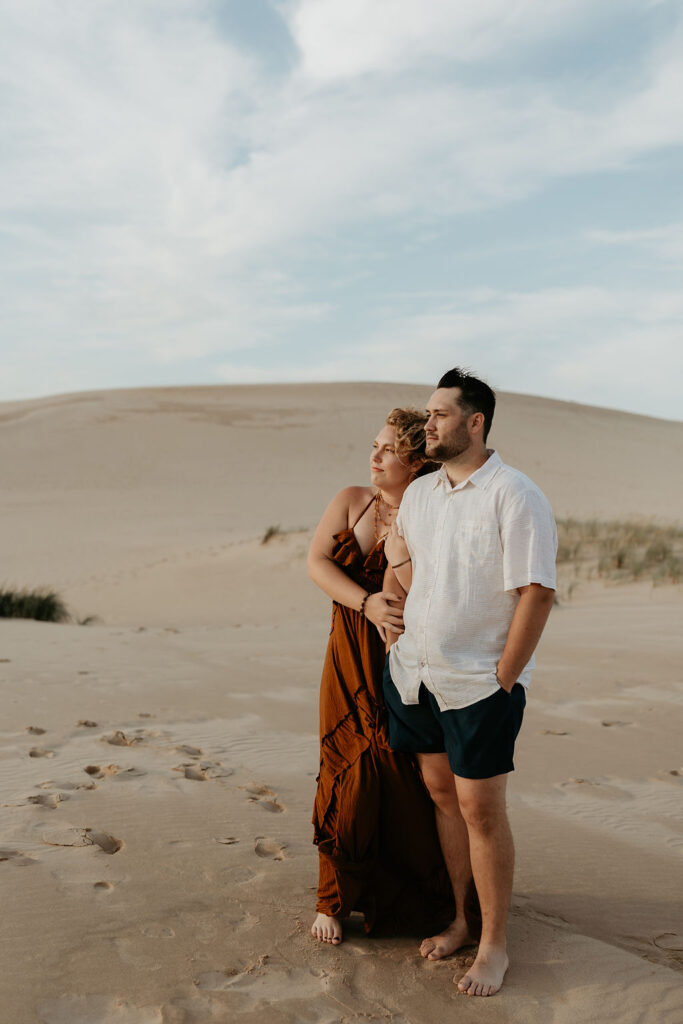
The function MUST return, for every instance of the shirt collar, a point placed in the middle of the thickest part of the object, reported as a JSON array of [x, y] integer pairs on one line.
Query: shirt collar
[[481, 477]]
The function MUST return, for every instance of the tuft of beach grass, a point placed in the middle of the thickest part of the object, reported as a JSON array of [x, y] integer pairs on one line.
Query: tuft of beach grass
[[620, 550], [42, 604]]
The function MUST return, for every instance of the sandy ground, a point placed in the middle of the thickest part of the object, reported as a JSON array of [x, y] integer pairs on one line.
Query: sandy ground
[[157, 769]]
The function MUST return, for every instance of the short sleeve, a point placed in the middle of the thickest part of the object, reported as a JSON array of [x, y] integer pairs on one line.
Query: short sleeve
[[402, 516], [398, 522], [529, 539]]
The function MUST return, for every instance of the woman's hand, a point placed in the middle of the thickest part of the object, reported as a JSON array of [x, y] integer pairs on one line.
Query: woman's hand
[[384, 615]]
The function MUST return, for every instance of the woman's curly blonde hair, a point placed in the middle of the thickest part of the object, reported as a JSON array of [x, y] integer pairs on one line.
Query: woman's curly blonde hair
[[409, 427]]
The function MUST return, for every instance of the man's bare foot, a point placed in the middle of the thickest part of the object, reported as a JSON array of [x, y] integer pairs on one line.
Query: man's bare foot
[[327, 929], [486, 974], [454, 937]]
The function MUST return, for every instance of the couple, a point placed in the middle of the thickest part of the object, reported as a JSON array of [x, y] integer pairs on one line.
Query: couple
[[473, 543]]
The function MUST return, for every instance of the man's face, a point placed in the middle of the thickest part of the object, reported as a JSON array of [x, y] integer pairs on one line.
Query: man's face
[[446, 428]]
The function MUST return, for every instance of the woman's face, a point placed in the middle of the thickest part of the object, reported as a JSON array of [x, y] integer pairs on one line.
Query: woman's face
[[386, 469]]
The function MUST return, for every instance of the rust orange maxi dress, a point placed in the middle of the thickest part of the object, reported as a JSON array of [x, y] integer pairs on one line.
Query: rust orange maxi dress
[[374, 821]]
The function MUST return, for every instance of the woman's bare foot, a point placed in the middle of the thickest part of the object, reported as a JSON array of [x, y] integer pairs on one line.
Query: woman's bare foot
[[327, 929], [486, 974], [454, 937]]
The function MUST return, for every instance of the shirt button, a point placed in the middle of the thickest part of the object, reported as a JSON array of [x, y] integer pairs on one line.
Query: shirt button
[[422, 664]]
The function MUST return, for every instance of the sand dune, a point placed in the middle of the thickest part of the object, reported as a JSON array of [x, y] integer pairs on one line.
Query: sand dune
[[158, 768], [138, 495]]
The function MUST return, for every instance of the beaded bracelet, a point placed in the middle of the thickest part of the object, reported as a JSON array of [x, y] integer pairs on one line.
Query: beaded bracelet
[[362, 604]]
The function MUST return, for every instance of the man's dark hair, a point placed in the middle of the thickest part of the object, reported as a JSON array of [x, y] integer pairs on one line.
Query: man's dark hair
[[475, 395]]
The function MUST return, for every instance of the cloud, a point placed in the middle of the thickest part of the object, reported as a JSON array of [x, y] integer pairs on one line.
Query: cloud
[[165, 197], [344, 38], [666, 242], [598, 346], [601, 346]]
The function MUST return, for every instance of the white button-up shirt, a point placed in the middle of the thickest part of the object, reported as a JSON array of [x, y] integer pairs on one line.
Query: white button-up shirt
[[472, 546]]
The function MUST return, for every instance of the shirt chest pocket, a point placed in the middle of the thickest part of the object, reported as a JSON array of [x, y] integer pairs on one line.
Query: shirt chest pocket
[[477, 541]]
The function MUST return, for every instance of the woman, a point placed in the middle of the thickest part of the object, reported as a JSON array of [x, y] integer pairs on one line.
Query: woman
[[374, 822]]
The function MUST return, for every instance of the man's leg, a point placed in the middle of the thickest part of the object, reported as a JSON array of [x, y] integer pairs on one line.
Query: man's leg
[[454, 840], [482, 805]]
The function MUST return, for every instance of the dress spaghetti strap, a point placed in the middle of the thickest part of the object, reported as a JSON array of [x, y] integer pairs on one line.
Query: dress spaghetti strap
[[363, 512]]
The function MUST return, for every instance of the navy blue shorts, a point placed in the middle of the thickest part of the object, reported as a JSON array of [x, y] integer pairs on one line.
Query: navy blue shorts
[[479, 739]]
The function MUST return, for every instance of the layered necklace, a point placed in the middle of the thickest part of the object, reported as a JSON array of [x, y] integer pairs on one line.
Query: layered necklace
[[379, 501]]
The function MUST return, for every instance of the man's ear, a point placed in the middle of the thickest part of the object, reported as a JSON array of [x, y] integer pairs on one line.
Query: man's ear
[[477, 422]]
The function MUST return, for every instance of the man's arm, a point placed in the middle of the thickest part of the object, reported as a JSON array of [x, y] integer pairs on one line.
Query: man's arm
[[531, 615]]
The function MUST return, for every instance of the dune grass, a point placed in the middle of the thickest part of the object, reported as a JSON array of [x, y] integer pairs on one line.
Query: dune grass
[[42, 604], [272, 531], [620, 550]]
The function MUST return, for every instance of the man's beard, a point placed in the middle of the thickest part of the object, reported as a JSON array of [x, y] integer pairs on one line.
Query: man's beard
[[449, 449]]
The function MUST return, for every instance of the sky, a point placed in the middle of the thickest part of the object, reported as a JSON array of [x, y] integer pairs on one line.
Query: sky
[[247, 191]]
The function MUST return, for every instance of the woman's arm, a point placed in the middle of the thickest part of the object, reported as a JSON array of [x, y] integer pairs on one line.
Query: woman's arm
[[391, 583], [332, 579], [322, 568], [398, 557]]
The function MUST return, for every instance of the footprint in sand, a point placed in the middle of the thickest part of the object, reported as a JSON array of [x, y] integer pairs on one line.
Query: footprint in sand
[[122, 774], [263, 984], [269, 848], [670, 774], [216, 769], [125, 774], [193, 772], [16, 857], [554, 732], [49, 800], [40, 752], [72, 836], [108, 844], [103, 886], [100, 771], [672, 942], [217, 981], [265, 797], [91, 1009], [597, 788], [67, 836], [186, 748], [87, 723], [614, 722], [35, 730], [204, 770], [226, 840], [524, 908], [50, 784], [119, 739]]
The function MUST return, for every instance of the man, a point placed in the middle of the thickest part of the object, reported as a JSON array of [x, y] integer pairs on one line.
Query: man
[[482, 541]]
